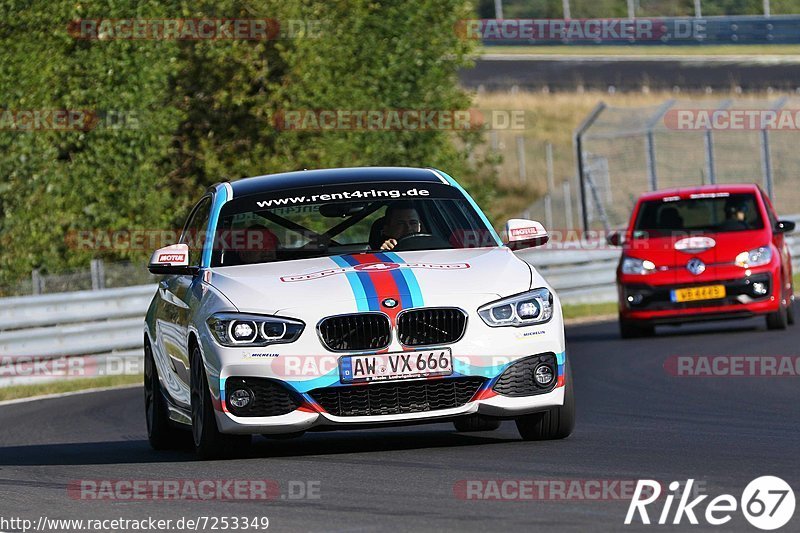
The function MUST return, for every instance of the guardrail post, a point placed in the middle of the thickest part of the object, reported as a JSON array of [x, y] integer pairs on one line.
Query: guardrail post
[[98, 274], [37, 283]]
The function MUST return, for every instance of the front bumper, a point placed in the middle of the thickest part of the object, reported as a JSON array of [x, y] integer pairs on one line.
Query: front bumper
[[305, 420], [654, 303]]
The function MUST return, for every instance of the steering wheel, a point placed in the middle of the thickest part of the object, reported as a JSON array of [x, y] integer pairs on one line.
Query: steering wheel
[[416, 235]]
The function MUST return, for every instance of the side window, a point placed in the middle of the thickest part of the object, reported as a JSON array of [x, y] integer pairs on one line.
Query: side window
[[194, 233]]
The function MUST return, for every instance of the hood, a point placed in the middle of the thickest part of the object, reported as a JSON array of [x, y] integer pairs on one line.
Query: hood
[[361, 281], [711, 248]]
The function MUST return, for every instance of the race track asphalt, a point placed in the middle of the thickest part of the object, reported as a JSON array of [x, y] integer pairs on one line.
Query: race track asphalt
[[635, 420]]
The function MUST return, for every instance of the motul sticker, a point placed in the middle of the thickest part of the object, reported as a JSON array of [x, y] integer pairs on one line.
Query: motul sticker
[[523, 232], [171, 258]]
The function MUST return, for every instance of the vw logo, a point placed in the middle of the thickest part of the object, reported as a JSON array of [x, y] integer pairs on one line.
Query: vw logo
[[695, 266], [390, 303]]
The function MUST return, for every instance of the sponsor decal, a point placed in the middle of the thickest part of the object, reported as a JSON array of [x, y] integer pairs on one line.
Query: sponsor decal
[[171, 258], [695, 244], [373, 267], [524, 232]]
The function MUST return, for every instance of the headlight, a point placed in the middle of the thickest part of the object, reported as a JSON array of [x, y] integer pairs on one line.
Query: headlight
[[631, 265], [532, 307], [235, 329], [753, 258]]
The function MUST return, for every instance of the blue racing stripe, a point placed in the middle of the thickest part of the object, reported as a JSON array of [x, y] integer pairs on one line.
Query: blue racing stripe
[[355, 284]]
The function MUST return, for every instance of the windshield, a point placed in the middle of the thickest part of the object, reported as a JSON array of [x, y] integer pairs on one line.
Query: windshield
[[720, 213], [347, 219]]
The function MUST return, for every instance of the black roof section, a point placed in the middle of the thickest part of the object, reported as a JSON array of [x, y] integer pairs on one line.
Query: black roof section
[[332, 176]]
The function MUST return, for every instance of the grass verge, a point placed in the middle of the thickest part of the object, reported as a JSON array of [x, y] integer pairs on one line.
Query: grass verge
[[587, 310], [70, 385]]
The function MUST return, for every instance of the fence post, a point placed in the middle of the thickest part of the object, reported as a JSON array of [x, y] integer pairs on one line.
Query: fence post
[[651, 143], [709, 144], [98, 274], [523, 177], [698, 11], [548, 198], [766, 156], [568, 205], [36, 281], [577, 141]]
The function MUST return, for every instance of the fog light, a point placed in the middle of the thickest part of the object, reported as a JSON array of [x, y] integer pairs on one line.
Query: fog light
[[635, 299], [759, 288], [543, 375], [241, 398]]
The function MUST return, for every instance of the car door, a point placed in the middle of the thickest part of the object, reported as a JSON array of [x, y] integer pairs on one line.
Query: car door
[[176, 296]]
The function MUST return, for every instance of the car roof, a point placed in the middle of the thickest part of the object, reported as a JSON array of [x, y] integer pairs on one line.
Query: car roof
[[685, 192], [332, 176]]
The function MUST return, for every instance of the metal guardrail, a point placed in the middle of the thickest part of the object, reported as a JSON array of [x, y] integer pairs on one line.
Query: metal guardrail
[[100, 323]]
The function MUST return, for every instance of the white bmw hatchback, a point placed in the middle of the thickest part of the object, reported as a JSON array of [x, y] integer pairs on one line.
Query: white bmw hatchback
[[350, 298]]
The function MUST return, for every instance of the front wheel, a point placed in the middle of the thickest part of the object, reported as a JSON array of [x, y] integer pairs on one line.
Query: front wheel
[[779, 319], [476, 423], [556, 422], [209, 443], [790, 313]]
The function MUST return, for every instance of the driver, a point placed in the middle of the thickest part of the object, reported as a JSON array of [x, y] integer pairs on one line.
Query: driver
[[735, 215], [400, 220]]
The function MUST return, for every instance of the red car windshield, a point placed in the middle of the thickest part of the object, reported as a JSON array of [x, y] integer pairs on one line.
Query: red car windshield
[[733, 212]]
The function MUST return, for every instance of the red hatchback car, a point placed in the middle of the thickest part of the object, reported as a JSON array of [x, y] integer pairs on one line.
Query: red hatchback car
[[703, 253]]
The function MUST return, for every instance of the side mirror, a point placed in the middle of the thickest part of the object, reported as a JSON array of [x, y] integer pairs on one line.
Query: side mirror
[[171, 260], [523, 233], [614, 238], [784, 226]]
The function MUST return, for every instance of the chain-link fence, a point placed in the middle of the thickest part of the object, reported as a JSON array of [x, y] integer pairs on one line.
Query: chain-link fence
[[100, 275], [623, 152]]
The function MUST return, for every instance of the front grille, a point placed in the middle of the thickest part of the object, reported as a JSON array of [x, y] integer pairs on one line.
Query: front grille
[[397, 397], [440, 325], [518, 379], [361, 331], [269, 398]]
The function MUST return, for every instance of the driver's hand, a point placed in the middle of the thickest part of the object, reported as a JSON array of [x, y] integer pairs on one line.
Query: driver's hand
[[389, 244]]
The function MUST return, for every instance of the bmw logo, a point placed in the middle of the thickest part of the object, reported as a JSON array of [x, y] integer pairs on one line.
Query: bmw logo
[[390, 303], [696, 266]]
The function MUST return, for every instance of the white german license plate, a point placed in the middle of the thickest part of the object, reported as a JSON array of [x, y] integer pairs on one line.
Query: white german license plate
[[401, 365]]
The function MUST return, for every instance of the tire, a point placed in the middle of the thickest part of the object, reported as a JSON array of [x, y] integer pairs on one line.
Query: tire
[[209, 443], [632, 330], [790, 313], [161, 434], [476, 423], [778, 319], [555, 423]]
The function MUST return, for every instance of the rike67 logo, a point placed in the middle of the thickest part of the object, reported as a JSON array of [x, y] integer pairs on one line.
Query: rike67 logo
[[767, 503]]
